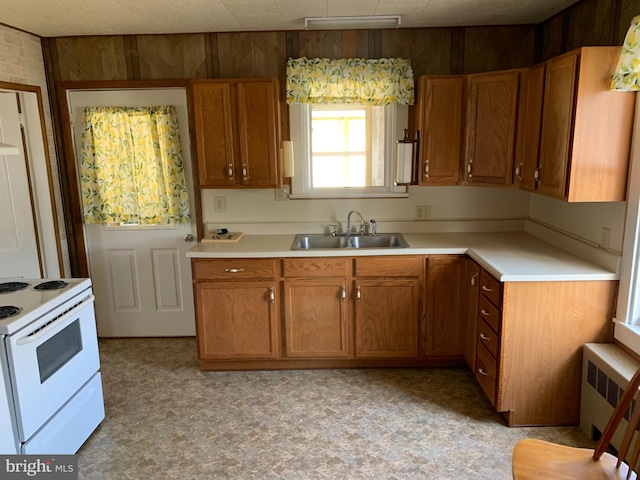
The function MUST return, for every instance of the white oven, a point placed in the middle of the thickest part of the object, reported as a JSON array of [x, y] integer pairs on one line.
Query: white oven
[[51, 351]]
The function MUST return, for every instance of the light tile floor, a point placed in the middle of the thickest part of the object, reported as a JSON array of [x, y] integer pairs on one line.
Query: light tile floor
[[166, 419]]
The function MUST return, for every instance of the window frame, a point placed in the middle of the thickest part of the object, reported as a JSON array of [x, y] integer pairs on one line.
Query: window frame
[[395, 121], [627, 318]]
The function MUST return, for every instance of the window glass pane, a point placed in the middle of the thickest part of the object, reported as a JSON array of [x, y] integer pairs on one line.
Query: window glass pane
[[341, 149]]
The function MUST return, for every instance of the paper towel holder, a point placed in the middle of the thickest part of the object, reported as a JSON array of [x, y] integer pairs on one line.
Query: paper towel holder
[[405, 161], [287, 158]]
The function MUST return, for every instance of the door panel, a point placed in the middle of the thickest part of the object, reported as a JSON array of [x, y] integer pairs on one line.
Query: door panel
[[18, 244], [141, 276]]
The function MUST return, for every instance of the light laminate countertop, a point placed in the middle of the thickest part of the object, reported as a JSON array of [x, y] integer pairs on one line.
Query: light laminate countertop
[[509, 256]]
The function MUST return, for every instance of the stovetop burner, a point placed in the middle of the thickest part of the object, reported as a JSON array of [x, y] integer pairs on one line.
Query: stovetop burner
[[8, 287], [51, 285], [7, 311]]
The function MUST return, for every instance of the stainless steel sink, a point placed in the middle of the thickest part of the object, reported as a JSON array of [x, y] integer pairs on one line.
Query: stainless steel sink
[[319, 241]]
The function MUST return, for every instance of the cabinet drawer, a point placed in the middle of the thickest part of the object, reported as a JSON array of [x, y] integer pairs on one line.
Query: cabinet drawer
[[487, 337], [490, 288], [486, 367], [230, 269], [401, 266], [316, 267], [489, 313]]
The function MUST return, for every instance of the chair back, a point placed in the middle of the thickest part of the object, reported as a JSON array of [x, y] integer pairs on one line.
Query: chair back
[[628, 407]]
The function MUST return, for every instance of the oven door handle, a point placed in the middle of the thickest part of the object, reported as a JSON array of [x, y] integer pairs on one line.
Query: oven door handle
[[35, 336]]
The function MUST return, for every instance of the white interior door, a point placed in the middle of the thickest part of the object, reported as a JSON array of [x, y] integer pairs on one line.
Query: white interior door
[[141, 275], [18, 244]]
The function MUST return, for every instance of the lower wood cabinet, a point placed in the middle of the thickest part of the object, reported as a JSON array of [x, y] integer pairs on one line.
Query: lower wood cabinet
[[316, 313], [446, 306], [237, 314], [387, 306]]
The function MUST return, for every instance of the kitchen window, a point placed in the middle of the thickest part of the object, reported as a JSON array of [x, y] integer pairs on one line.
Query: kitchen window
[[345, 118]]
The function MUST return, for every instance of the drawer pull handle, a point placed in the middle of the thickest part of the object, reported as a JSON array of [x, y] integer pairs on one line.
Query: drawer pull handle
[[485, 313], [482, 372], [234, 270], [358, 294], [343, 293], [272, 295], [230, 170], [487, 289], [484, 337], [245, 176], [473, 279]]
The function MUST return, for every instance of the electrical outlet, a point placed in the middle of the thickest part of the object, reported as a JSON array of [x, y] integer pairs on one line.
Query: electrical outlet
[[219, 204], [605, 235], [423, 212], [282, 193]]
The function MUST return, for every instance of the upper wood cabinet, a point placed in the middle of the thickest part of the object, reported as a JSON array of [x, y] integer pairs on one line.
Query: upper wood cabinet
[[586, 128], [492, 106], [440, 124], [237, 132], [529, 124]]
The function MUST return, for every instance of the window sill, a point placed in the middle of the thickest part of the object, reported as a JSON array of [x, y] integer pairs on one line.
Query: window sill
[[627, 334], [299, 196]]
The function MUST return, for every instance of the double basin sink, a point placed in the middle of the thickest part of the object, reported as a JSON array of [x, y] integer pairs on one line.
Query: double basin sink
[[319, 241]]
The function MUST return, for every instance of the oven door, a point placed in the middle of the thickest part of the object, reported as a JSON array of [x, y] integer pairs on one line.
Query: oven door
[[50, 360]]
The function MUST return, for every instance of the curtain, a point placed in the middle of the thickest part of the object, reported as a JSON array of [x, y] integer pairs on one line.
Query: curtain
[[627, 75], [350, 80], [131, 168]]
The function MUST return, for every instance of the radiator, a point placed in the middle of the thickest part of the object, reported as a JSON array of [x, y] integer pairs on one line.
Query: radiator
[[606, 371]]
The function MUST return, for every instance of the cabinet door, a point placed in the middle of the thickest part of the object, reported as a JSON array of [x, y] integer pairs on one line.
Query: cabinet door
[[387, 314], [471, 325], [446, 301], [529, 124], [440, 123], [237, 320], [557, 120], [491, 127], [258, 126], [214, 134], [315, 317]]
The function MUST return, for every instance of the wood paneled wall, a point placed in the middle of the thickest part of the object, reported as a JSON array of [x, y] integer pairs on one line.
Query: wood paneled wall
[[451, 50]]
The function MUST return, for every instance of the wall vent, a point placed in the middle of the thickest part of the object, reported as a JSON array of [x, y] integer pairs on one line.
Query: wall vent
[[606, 371]]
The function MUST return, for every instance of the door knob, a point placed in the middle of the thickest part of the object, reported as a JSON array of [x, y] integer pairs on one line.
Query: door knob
[[189, 237]]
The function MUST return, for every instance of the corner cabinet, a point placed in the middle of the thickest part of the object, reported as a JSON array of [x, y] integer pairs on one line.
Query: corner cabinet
[[492, 107], [439, 113], [586, 128], [529, 345], [236, 309], [237, 131]]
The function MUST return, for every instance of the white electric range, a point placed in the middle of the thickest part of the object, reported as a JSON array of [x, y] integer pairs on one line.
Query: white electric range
[[50, 365]]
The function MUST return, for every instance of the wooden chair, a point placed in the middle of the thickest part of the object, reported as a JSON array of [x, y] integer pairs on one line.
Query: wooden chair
[[537, 459]]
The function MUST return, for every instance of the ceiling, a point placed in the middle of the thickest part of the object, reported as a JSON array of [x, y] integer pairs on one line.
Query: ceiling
[[55, 18]]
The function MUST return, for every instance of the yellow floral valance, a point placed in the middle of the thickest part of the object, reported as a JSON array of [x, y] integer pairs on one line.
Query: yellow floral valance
[[627, 75], [131, 168], [350, 80]]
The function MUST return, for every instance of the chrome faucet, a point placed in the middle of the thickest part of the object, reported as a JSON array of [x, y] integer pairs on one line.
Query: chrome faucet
[[374, 227], [361, 231]]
